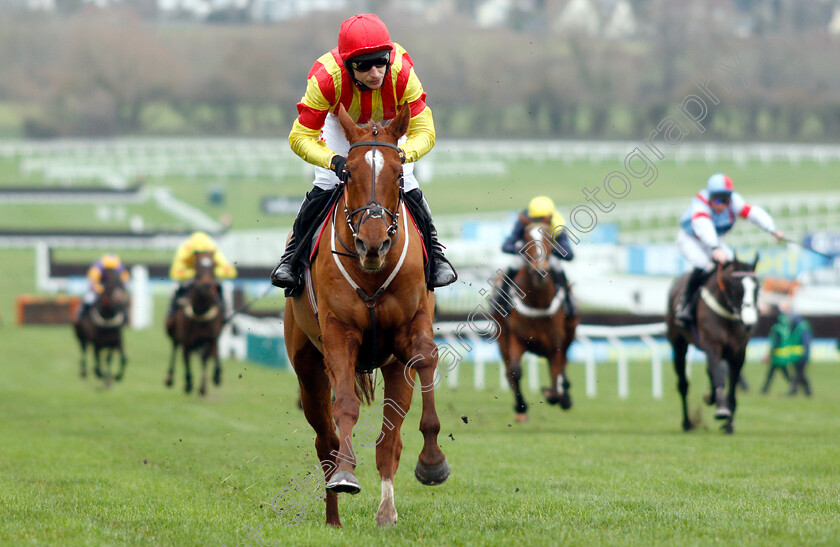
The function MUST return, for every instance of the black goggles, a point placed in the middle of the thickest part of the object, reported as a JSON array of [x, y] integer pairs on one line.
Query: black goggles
[[722, 199], [363, 65]]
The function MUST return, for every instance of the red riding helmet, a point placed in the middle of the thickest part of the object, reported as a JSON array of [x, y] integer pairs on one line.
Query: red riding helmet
[[363, 33]]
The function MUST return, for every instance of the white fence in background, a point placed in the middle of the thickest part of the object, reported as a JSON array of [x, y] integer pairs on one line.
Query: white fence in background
[[234, 343]]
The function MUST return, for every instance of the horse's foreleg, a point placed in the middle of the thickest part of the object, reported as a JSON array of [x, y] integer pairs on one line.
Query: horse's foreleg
[[83, 359], [341, 348], [170, 374], [108, 358], [513, 362], [205, 355], [736, 363], [560, 384], [717, 375], [393, 409], [432, 468], [680, 347], [123, 362], [188, 382], [217, 365], [97, 363]]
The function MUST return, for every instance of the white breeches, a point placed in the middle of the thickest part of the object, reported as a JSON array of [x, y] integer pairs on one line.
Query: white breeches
[[334, 137]]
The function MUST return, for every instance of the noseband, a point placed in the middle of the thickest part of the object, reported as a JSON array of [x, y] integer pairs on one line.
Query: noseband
[[722, 286], [373, 209]]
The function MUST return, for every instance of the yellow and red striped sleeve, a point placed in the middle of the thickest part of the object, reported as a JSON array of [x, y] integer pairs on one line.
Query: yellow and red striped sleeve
[[323, 89], [409, 90]]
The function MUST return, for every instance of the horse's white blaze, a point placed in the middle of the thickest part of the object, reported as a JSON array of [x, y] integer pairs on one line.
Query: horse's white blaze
[[749, 311], [560, 379], [206, 261], [535, 233], [376, 160]]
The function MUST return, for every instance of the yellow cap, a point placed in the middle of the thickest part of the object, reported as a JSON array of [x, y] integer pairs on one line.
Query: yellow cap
[[542, 207], [201, 243], [110, 261]]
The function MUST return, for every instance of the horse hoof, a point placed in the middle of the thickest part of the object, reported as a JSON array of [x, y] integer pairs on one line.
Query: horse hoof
[[432, 476], [168, 382], [722, 413], [83, 373], [728, 428], [708, 399], [565, 402], [202, 391], [118, 377], [687, 426], [188, 388], [97, 373], [217, 378], [521, 418], [344, 482]]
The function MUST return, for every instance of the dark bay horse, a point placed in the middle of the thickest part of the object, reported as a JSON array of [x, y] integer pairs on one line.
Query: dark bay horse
[[197, 323], [726, 315], [373, 311], [537, 323], [102, 327]]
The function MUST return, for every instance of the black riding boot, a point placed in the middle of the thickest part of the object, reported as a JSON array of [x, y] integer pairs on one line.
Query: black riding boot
[[286, 273], [180, 292], [685, 307], [502, 298], [441, 271], [569, 306]]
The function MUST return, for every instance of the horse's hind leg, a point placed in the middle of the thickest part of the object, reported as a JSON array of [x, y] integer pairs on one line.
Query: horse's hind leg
[[97, 363], [317, 407], [394, 407], [559, 391], [717, 375], [680, 346], [83, 345]]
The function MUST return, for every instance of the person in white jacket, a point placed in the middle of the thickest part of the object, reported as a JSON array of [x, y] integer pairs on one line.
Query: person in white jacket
[[712, 213]]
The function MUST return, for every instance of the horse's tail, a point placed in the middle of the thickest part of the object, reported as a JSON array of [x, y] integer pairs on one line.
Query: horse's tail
[[364, 387]]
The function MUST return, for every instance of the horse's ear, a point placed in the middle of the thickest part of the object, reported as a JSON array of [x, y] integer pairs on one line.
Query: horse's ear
[[399, 126], [755, 262], [351, 130]]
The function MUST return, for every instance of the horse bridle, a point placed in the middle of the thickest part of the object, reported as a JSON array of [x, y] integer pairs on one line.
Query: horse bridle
[[373, 209], [722, 287]]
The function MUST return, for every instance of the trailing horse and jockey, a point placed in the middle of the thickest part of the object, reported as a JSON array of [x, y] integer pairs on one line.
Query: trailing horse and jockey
[[711, 214]]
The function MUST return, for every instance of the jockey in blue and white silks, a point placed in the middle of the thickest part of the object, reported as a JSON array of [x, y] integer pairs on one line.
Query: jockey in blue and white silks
[[712, 213]]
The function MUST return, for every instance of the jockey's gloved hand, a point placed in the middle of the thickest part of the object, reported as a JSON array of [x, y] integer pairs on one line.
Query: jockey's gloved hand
[[339, 166]]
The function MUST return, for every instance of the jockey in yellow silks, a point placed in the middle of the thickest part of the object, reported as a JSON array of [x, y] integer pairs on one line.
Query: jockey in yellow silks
[[108, 262], [183, 265]]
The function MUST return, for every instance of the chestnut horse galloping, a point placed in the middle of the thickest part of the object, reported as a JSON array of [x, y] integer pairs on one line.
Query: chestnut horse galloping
[[371, 310], [537, 323], [726, 316]]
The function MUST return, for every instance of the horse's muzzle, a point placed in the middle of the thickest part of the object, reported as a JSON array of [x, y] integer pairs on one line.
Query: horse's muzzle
[[372, 256]]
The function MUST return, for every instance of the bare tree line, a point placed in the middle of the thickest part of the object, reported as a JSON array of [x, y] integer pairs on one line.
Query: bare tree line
[[106, 72]]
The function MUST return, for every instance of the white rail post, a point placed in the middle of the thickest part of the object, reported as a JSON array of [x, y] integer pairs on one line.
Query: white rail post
[[655, 365], [142, 303], [623, 387], [591, 376], [453, 374]]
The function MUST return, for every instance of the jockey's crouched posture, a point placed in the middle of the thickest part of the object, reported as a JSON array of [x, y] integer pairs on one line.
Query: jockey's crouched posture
[[710, 215], [540, 209], [183, 268], [372, 77], [108, 263]]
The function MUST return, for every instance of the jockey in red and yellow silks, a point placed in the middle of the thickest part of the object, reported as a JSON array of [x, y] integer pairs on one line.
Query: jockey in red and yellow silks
[[371, 77]]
